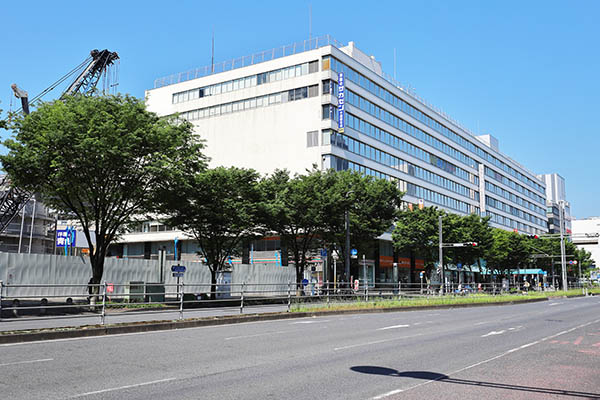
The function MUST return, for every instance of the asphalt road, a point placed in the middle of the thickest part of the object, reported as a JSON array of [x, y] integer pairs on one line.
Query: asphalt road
[[529, 351]]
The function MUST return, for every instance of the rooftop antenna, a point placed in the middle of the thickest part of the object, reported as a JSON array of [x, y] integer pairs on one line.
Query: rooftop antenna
[[394, 63], [212, 57], [309, 22]]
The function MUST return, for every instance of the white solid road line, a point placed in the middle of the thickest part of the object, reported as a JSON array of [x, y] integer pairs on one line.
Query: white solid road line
[[257, 335], [26, 362], [375, 342], [492, 333], [122, 388], [394, 327], [309, 322], [396, 391]]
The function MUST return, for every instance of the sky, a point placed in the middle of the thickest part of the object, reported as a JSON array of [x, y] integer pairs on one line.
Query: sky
[[523, 71]]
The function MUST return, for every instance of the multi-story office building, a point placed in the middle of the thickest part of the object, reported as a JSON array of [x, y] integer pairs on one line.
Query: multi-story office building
[[283, 109], [556, 199]]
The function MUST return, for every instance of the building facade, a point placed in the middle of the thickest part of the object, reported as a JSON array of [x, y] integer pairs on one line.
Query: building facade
[[556, 201], [322, 103], [586, 235]]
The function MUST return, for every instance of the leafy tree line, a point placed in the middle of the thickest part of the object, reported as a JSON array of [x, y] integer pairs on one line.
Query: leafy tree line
[[416, 233]]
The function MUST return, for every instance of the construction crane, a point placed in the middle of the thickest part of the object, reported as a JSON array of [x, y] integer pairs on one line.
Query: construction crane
[[88, 74]]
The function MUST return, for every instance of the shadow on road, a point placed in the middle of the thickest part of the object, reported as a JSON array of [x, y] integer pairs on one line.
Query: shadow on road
[[434, 376]]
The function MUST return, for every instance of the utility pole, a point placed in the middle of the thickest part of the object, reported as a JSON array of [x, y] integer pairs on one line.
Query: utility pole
[[563, 259], [441, 254], [347, 258]]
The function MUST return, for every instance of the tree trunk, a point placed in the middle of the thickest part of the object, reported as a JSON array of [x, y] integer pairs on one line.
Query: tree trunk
[[213, 284]]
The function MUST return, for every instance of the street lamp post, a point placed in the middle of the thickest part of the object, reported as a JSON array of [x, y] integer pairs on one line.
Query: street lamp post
[[347, 225], [563, 259], [441, 255]]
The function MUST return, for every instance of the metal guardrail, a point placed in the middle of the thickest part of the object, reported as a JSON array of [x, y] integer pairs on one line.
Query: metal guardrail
[[108, 299]]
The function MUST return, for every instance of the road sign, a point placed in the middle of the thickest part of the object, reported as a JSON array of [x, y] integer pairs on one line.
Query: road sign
[[323, 252], [421, 274], [178, 268], [459, 266], [354, 253], [304, 282], [177, 274], [65, 237], [110, 288], [356, 284]]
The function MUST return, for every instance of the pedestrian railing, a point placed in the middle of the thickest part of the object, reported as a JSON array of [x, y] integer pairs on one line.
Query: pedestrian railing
[[111, 299]]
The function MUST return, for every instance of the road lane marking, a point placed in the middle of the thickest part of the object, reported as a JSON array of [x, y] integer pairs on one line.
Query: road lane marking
[[257, 335], [122, 388], [554, 304], [393, 327], [578, 341], [483, 322], [26, 362], [492, 333], [396, 391], [309, 322], [375, 342]]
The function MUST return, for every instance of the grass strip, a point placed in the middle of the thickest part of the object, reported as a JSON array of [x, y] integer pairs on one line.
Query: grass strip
[[432, 301]]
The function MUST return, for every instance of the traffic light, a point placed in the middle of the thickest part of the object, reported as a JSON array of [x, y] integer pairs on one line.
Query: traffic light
[[470, 244], [533, 236]]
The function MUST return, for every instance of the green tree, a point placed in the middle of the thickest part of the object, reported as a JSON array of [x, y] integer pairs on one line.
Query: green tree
[[100, 161], [417, 233], [372, 205], [293, 210], [220, 207]]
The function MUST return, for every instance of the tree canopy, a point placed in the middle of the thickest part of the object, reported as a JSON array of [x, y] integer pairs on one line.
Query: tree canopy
[[220, 207], [99, 160]]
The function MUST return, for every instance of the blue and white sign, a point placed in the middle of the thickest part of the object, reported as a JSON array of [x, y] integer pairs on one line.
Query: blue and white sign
[[178, 268], [341, 102], [65, 237], [421, 274], [353, 252], [459, 266], [323, 252]]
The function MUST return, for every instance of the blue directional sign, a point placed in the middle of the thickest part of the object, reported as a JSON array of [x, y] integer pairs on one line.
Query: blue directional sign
[[353, 252], [304, 282], [323, 252], [459, 266], [177, 274], [178, 268]]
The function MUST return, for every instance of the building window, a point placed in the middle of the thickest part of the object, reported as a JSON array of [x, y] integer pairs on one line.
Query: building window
[[312, 138], [313, 66], [313, 91]]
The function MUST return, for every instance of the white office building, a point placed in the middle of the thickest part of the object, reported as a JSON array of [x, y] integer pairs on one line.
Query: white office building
[[586, 235], [556, 200], [281, 109]]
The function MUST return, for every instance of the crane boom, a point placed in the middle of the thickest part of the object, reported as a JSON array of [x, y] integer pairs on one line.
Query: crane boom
[[88, 79], [13, 199]]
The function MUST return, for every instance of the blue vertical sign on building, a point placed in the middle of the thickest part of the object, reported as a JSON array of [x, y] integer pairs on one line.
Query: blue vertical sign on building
[[341, 102]]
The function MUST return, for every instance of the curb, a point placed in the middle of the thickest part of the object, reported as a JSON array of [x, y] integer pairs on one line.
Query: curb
[[116, 329]]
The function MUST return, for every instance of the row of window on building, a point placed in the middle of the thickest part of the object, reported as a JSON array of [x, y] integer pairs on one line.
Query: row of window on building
[[251, 103], [367, 84], [246, 82], [364, 150]]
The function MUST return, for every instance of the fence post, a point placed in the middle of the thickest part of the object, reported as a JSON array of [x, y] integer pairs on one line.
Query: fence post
[[1, 287], [181, 301], [242, 299], [366, 291], [289, 295], [326, 289], [103, 315], [399, 289]]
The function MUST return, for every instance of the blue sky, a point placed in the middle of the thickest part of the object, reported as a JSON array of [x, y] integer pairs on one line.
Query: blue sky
[[524, 71]]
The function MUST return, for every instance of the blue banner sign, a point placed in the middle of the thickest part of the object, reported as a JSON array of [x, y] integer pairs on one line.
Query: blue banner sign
[[178, 268], [341, 102], [65, 237]]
